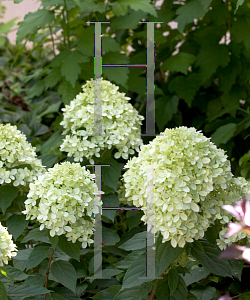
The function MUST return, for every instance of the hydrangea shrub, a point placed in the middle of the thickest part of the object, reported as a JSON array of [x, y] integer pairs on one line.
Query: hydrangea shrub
[[19, 164], [120, 124], [188, 167], [7, 247], [63, 201]]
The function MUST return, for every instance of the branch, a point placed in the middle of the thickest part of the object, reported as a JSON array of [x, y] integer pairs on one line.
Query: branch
[[152, 295], [47, 272]]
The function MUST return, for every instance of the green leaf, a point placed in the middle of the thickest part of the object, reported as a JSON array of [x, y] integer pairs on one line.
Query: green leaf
[[50, 109], [244, 296], [109, 236], [136, 270], [48, 160], [110, 45], [54, 141], [53, 240], [14, 273], [107, 294], [68, 92], [23, 254], [5, 27], [166, 254], [210, 57], [242, 24], [135, 293], [38, 254], [7, 194], [164, 292], [173, 280], [110, 272], [203, 292], [33, 21], [165, 108], [111, 174], [53, 77], [110, 200], [119, 75], [185, 87], [71, 68], [86, 41], [179, 62], [190, 11], [71, 249], [16, 225], [55, 296], [236, 267], [25, 290], [195, 275], [3, 294], [138, 241], [129, 21], [223, 134], [37, 235], [210, 259], [143, 5], [65, 273], [86, 5]]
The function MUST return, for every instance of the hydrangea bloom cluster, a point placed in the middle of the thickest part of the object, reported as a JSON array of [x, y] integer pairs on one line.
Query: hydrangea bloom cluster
[[187, 168], [120, 124], [7, 247], [63, 200], [14, 152]]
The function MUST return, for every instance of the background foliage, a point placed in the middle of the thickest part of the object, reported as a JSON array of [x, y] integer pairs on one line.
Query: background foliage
[[201, 80]]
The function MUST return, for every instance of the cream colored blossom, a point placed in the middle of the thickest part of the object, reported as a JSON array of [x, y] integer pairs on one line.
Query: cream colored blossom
[[63, 201], [120, 124], [7, 247], [187, 168], [15, 153]]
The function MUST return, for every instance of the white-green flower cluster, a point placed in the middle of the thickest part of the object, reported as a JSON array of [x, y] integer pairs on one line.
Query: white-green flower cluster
[[235, 191], [120, 123], [63, 200], [187, 168], [7, 247], [15, 151]]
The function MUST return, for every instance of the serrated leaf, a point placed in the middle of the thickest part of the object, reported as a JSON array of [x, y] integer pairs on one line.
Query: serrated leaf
[[143, 5], [179, 62], [48, 160], [242, 24], [7, 194], [210, 259], [38, 254], [53, 77], [129, 21], [71, 249], [190, 11], [36, 235], [109, 44], [86, 41], [32, 22], [70, 68], [185, 86], [14, 273], [223, 134], [204, 292], [118, 75], [16, 225], [166, 254], [65, 273], [68, 92]]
